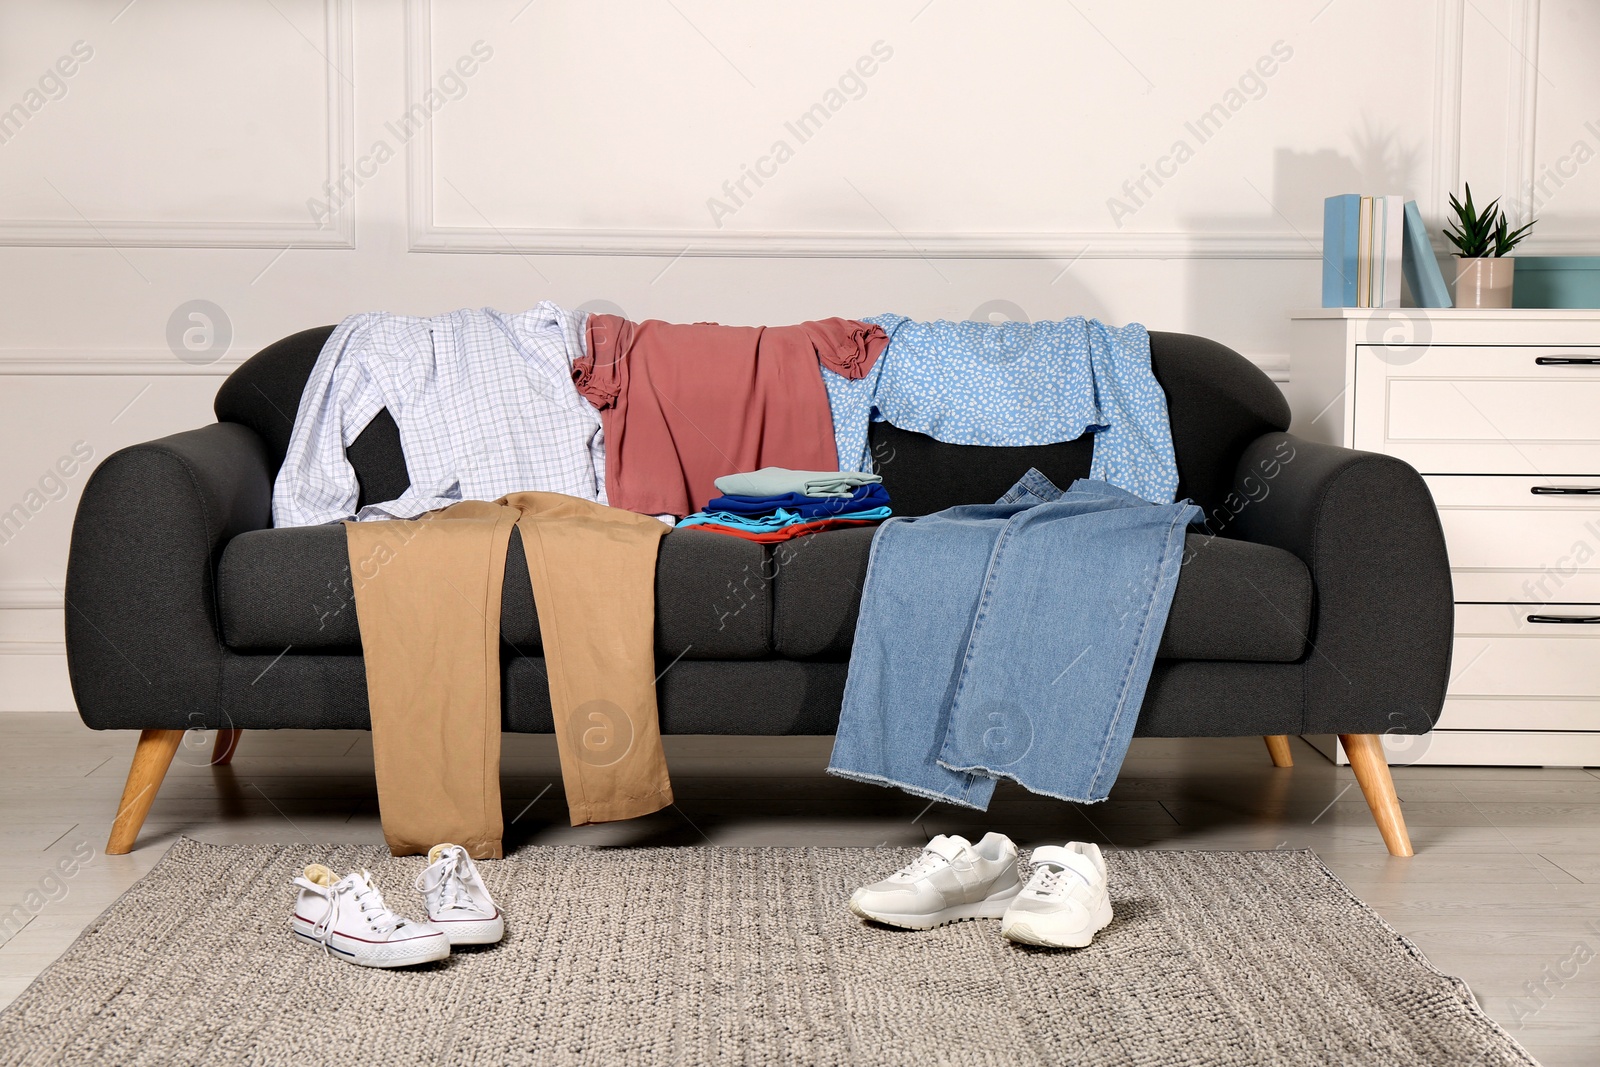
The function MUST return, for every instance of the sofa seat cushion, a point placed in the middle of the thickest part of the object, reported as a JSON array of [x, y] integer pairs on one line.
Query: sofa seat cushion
[[291, 587], [1235, 600]]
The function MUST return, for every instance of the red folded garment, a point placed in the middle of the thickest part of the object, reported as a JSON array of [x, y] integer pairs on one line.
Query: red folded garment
[[682, 405], [783, 533]]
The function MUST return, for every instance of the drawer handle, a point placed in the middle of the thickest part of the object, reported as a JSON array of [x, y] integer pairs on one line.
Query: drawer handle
[[1571, 620], [1565, 490], [1567, 361]]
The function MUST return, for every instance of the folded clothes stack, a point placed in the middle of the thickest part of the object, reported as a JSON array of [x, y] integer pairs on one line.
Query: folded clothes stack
[[775, 504]]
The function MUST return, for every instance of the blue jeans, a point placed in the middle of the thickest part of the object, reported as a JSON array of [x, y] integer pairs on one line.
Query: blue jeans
[[1009, 640]]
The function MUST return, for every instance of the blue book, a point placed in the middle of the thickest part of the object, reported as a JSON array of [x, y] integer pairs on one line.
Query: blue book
[[1421, 268], [1340, 243]]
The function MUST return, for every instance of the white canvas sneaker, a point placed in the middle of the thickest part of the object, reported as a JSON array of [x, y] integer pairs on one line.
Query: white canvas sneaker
[[457, 900], [348, 918], [1065, 903], [952, 880]]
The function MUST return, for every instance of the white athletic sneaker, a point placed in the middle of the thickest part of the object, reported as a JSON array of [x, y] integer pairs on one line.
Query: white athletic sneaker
[[952, 880], [1065, 903], [457, 900], [348, 918]]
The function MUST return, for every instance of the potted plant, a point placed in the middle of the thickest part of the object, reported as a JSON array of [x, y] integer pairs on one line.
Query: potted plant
[[1482, 238]]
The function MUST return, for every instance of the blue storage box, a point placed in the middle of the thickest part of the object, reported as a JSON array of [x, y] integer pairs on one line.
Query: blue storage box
[[1556, 282]]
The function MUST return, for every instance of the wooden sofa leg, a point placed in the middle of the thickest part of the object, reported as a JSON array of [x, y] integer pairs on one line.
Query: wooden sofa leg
[[222, 753], [1278, 748], [150, 762], [1372, 772]]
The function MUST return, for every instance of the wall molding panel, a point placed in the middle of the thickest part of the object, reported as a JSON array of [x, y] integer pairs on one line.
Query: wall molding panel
[[9, 647], [136, 362], [339, 232], [29, 596], [841, 244], [428, 235], [1449, 55], [1522, 115], [1529, 91]]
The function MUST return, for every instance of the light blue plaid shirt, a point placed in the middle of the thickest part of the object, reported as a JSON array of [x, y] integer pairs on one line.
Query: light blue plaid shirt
[[484, 402]]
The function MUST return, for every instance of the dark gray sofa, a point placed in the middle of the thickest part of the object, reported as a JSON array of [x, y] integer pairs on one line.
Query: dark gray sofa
[[1315, 598]]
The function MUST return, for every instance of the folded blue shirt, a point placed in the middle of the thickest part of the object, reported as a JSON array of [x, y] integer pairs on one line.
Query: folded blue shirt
[[776, 521], [872, 495]]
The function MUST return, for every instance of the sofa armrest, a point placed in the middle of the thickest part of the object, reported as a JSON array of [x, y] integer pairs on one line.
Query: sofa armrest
[[144, 650], [1383, 616]]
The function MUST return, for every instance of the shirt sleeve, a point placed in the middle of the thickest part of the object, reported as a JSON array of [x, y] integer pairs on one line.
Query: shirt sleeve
[[1134, 451], [852, 401], [316, 483]]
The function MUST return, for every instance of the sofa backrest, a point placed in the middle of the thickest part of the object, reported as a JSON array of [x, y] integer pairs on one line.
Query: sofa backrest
[[1218, 402]]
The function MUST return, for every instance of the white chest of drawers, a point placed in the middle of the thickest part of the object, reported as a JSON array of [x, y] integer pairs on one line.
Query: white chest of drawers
[[1500, 411]]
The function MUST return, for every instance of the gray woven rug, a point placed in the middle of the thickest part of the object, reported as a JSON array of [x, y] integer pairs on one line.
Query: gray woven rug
[[704, 955]]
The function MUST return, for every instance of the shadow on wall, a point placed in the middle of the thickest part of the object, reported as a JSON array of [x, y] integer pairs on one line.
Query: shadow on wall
[[1379, 162], [1244, 303]]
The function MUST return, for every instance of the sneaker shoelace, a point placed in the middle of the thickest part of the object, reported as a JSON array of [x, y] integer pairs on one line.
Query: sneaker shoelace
[[449, 882], [923, 864], [367, 899], [1052, 881]]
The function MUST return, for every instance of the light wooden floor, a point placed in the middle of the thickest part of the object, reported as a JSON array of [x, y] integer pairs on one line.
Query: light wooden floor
[[1504, 890]]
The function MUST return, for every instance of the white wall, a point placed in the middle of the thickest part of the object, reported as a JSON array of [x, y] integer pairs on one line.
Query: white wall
[[260, 158]]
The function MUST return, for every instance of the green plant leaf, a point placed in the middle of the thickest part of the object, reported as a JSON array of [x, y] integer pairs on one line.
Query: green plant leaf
[[1478, 233], [1505, 242]]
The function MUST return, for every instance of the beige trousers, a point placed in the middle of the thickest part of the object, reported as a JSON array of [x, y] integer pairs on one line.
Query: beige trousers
[[427, 594]]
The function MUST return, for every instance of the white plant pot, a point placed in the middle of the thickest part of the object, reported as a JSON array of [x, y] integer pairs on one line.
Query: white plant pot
[[1485, 282]]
